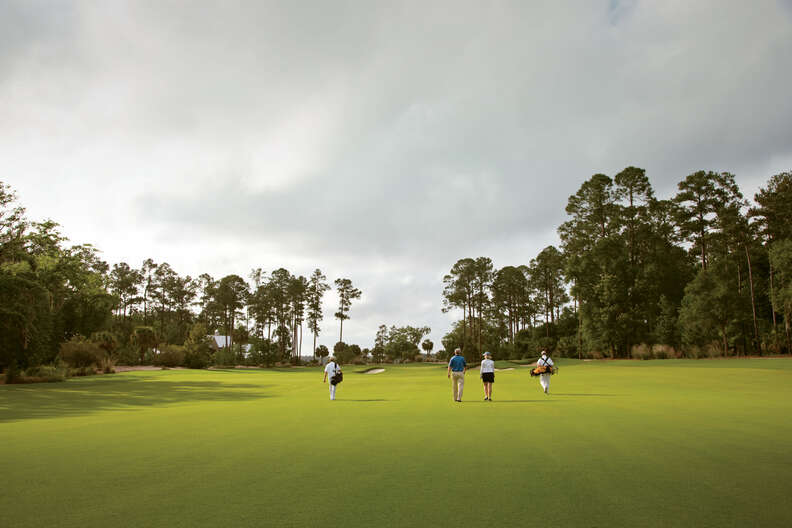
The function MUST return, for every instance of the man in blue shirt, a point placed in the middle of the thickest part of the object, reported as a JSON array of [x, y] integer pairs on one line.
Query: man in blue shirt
[[456, 371]]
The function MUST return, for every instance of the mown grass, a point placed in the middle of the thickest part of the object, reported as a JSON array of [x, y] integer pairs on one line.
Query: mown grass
[[656, 443]]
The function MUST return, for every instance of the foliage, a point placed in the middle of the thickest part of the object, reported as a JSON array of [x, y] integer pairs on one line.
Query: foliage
[[781, 260], [322, 351], [708, 309], [346, 294], [171, 356], [225, 357], [145, 339], [46, 374], [127, 355], [79, 352], [343, 352]]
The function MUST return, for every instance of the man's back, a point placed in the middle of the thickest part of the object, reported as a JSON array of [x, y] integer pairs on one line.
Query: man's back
[[457, 364]]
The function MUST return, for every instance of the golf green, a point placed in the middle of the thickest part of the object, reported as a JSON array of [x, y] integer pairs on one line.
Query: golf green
[[655, 443]]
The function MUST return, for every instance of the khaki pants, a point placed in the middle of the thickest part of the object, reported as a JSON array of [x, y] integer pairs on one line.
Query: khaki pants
[[457, 384]]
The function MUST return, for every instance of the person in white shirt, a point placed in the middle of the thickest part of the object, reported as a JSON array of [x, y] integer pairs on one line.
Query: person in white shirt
[[332, 368], [487, 375], [544, 379]]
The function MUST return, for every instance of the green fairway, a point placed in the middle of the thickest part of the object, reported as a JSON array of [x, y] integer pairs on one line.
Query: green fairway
[[656, 443]]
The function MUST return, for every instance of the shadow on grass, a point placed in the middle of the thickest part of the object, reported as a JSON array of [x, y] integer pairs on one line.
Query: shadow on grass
[[53, 400], [369, 400], [493, 402], [581, 394]]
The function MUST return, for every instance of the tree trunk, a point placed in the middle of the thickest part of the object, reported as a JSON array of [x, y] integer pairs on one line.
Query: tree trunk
[[464, 324], [725, 339], [580, 328], [231, 331], [341, 332], [294, 340], [753, 298], [772, 307], [314, 346]]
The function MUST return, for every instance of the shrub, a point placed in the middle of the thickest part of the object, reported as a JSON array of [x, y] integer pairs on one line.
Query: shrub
[[45, 373], [663, 352], [78, 353], [107, 341], [197, 358], [127, 356], [169, 356], [225, 357], [82, 371], [640, 352]]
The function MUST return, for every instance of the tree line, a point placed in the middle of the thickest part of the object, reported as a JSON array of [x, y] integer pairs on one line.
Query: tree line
[[705, 272], [52, 293]]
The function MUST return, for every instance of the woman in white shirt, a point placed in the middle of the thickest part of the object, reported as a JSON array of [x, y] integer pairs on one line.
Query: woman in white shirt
[[487, 375], [332, 368]]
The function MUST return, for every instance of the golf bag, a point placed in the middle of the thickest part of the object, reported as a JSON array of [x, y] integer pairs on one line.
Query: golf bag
[[544, 369]]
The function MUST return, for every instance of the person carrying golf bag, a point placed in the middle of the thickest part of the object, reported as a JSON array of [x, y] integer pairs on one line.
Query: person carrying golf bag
[[336, 376]]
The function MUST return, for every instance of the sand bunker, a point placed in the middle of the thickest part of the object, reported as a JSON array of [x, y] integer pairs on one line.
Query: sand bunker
[[374, 371], [501, 370]]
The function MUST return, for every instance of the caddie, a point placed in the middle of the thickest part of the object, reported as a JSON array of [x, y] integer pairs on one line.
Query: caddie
[[333, 368], [544, 378]]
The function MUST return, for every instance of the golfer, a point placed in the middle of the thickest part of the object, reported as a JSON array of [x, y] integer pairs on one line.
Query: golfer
[[544, 379], [332, 368], [487, 375], [456, 371]]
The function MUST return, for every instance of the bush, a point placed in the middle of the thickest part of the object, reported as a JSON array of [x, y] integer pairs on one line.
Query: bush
[[79, 353], [640, 352], [45, 374], [197, 358], [663, 352], [107, 341], [82, 371], [169, 356], [225, 357], [127, 356]]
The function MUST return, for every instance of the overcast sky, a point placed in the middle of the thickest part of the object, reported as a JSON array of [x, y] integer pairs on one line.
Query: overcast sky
[[379, 141]]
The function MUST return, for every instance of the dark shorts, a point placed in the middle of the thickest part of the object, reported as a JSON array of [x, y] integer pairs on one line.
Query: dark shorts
[[488, 377]]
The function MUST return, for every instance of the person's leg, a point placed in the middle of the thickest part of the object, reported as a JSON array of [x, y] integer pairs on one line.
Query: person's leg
[[489, 390], [546, 382], [485, 389], [454, 386], [332, 391], [461, 384]]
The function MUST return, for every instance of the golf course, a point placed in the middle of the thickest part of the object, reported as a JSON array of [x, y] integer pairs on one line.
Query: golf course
[[616, 443]]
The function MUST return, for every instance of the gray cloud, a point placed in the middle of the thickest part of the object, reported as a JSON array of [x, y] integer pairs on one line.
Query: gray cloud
[[380, 142]]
